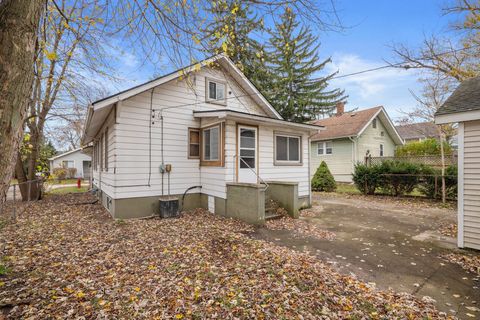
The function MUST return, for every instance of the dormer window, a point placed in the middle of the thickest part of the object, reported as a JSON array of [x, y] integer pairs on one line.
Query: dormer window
[[216, 91]]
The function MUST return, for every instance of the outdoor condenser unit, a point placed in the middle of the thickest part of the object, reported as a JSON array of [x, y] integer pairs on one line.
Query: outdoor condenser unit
[[168, 207]]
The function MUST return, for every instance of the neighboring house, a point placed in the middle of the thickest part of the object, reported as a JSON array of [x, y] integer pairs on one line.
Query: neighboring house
[[348, 138], [73, 159], [414, 132], [215, 131], [463, 107]]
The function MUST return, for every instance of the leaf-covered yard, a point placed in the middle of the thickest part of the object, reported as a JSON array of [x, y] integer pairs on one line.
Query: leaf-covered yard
[[65, 258]]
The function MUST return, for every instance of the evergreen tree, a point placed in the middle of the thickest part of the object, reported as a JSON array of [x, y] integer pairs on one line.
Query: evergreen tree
[[230, 32], [323, 179], [298, 93]]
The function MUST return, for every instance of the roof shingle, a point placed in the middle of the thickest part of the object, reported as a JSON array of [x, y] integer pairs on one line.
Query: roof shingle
[[419, 130], [348, 124], [465, 98]]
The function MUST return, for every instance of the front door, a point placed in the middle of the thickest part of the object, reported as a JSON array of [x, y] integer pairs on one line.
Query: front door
[[247, 154]]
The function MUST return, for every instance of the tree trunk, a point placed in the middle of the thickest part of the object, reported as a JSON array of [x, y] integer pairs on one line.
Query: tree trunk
[[19, 21]]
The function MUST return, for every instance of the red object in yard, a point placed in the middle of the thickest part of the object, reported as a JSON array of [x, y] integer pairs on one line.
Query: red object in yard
[[79, 183]]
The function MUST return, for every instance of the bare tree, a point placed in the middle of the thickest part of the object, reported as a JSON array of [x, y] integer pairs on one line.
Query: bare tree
[[19, 21], [69, 51]]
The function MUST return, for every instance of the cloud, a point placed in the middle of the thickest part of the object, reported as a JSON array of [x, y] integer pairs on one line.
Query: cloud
[[388, 87]]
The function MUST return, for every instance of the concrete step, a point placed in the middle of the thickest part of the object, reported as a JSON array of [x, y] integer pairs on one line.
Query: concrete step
[[271, 216]]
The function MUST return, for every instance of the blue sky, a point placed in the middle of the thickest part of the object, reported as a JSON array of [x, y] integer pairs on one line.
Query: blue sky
[[371, 27]]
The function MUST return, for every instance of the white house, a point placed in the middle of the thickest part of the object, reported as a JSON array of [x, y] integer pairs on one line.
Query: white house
[[226, 147], [73, 159], [463, 107], [349, 136]]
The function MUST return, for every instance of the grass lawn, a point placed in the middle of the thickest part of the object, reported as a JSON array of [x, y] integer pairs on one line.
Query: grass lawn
[[65, 181], [67, 258], [65, 190], [347, 188]]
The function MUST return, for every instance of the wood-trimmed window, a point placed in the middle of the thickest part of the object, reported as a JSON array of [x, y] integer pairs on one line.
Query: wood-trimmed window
[[212, 145], [288, 149], [215, 91], [106, 149], [193, 143], [325, 148]]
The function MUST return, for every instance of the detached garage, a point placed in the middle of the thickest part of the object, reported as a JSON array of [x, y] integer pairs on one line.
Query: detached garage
[[463, 107]]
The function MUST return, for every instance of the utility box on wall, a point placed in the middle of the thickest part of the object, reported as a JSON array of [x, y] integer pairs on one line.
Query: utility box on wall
[[168, 207]]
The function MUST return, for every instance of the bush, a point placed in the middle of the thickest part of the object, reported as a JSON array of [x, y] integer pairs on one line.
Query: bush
[[367, 178], [428, 147], [60, 173], [399, 177], [71, 173], [323, 179], [427, 186]]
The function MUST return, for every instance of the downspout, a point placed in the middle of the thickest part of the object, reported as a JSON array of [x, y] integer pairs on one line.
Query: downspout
[[309, 177]]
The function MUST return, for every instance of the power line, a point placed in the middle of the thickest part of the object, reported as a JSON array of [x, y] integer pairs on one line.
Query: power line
[[399, 64]]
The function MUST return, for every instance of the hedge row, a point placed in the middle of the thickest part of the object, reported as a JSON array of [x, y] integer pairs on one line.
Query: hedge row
[[398, 178]]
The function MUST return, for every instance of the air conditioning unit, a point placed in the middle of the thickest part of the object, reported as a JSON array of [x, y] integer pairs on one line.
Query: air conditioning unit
[[168, 207]]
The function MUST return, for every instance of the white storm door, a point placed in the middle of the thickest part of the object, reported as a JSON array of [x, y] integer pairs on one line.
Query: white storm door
[[247, 154]]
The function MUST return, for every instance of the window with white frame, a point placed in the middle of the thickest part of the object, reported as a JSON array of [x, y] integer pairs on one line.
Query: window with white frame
[[381, 150], [211, 143], [324, 148], [68, 164], [216, 91], [287, 149]]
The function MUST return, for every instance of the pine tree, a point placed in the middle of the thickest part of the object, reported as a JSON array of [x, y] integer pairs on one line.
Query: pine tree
[[231, 33], [298, 93]]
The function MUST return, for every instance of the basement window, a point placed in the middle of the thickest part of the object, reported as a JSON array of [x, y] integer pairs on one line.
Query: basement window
[[287, 149]]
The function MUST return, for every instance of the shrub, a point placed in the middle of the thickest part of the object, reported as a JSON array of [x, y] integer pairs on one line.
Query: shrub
[[399, 177], [71, 173], [427, 186], [60, 173], [323, 179], [429, 147], [367, 178]]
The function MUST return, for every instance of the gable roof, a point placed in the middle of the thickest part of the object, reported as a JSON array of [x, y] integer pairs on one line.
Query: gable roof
[[352, 124], [65, 154], [417, 130], [465, 98], [102, 107]]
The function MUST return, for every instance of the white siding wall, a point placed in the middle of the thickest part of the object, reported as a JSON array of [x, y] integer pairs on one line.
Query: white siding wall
[[77, 157], [129, 145], [103, 179], [471, 184]]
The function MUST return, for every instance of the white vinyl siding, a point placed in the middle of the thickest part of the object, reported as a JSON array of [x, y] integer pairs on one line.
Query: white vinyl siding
[[371, 139], [129, 139], [471, 184], [74, 159]]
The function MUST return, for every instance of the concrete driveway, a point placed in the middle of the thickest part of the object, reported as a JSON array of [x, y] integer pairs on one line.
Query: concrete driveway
[[393, 245]]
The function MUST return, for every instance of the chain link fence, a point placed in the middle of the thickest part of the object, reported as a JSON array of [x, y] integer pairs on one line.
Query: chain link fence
[[13, 202]]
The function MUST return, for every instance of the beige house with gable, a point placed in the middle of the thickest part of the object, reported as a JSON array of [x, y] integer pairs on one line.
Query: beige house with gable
[[348, 138], [203, 134]]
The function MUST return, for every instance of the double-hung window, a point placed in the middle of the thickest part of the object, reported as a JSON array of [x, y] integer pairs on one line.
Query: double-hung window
[[212, 145], [324, 148], [381, 150], [216, 91], [374, 123], [287, 149], [193, 143]]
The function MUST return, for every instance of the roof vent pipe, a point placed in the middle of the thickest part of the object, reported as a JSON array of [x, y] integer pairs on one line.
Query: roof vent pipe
[[340, 108]]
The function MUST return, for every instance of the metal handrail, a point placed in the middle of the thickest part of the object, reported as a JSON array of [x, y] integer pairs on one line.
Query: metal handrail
[[255, 172]]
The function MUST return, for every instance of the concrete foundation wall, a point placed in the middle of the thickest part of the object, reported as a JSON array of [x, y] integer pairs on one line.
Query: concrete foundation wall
[[286, 195], [246, 202]]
